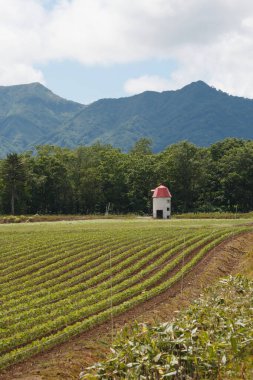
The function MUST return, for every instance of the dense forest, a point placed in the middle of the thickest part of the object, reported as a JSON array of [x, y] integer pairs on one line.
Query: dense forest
[[89, 179]]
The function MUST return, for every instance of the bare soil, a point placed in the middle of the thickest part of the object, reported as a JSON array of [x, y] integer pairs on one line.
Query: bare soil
[[67, 360]]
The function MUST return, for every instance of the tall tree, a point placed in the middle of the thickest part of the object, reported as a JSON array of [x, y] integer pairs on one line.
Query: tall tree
[[142, 147], [49, 180], [13, 175]]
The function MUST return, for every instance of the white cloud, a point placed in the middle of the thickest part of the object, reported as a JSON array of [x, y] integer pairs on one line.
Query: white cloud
[[146, 82], [210, 40], [17, 73], [115, 31], [20, 41]]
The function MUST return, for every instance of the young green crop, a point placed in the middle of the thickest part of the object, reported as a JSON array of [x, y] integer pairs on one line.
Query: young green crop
[[66, 276]]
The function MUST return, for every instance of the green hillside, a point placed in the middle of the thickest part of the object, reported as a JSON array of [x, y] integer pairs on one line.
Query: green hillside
[[197, 113], [32, 115], [28, 113]]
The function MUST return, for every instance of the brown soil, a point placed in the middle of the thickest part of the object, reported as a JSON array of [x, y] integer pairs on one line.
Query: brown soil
[[67, 360]]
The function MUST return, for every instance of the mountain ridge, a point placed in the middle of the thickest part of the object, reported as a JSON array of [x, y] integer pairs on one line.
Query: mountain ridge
[[31, 114]]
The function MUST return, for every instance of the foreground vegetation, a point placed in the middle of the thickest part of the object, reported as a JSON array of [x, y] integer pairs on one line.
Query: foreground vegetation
[[58, 280], [208, 341], [94, 179]]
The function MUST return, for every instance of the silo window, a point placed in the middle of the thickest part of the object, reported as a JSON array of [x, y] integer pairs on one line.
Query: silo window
[[168, 209]]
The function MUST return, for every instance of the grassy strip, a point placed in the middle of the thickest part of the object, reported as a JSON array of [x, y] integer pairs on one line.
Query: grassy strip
[[7, 219], [214, 215]]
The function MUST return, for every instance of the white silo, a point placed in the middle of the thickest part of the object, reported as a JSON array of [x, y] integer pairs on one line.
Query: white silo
[[161, 202]]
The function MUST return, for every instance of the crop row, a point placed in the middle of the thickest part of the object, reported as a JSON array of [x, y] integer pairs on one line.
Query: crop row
[[97, 302], [70, 292], [122, 270], [54, 259], [40, 286], [19, 252], [101, 311], [33, 259], [42, 252], [20, 247], [28, 246]]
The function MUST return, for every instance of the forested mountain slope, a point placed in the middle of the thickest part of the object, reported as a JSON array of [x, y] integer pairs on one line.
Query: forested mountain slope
[[32, 115], [30, 112]]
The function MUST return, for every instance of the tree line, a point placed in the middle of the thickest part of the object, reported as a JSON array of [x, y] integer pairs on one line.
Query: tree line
[[99, 178]]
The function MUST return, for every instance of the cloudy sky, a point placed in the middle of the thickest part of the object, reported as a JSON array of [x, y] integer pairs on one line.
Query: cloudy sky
[[89, 49]]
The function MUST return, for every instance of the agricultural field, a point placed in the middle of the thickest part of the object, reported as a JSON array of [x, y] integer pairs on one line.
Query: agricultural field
[[58, 280]]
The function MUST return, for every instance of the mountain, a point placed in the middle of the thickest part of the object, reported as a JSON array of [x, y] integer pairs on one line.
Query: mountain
[[32, 115], [30, 112]]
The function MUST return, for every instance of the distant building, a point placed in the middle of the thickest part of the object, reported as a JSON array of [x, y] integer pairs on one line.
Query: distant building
[[161, 202]]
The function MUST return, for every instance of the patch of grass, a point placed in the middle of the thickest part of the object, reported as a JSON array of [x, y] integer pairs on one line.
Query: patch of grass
[[214, 215], [5, 219]]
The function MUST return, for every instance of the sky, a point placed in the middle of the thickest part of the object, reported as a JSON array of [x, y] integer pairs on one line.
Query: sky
[[84, 50]]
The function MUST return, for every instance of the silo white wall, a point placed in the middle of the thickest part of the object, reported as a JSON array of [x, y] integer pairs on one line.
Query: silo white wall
[[163, 204]]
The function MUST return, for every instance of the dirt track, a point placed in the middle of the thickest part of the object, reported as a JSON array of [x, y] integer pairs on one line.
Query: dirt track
[[68, 359]]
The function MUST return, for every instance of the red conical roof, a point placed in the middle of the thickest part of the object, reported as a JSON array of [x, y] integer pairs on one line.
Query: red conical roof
[[161, 192]]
